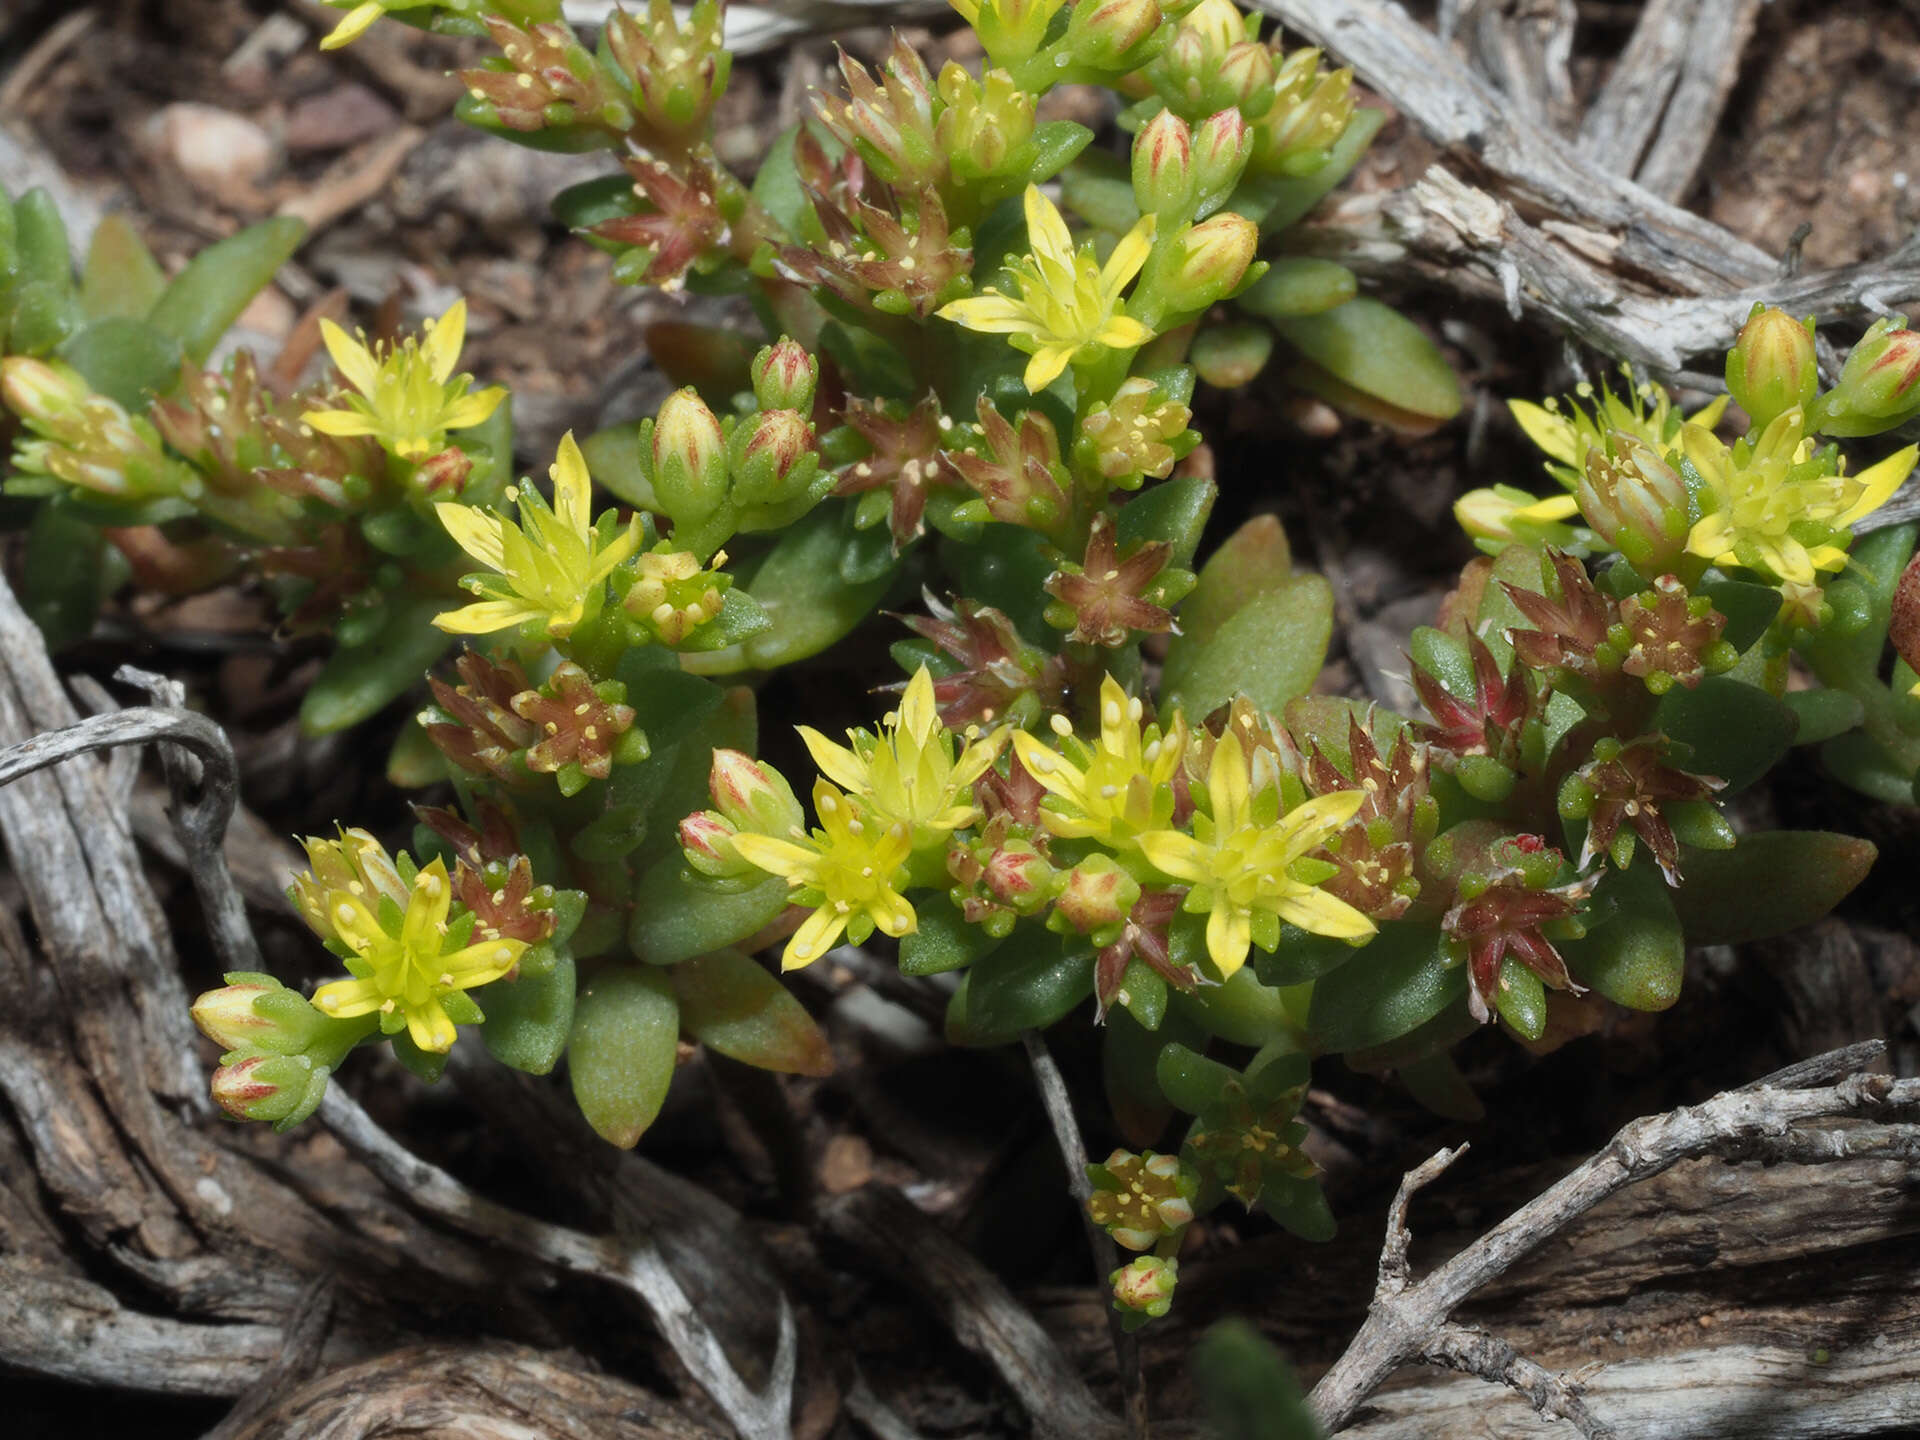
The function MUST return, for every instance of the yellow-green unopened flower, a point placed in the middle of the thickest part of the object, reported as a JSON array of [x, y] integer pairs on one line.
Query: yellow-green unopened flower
[[1068, 300], [847, 869], [1247, 862], [909, 773], [1113, 790], [409, 965], [551, 567], [1773, 506], [409, 397]]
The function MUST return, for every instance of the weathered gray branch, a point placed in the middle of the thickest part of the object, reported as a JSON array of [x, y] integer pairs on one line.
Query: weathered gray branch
[[1404, 1317]]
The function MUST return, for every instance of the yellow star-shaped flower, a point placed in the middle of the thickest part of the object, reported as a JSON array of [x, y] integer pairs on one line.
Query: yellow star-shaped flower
[[1248, 864], [909, 772], [1068, 301], [551, 568], [1113, 790], [407, 397], [848, 869], [1772, 507]]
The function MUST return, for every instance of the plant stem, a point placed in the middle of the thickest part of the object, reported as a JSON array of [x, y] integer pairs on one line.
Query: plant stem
[[1066, 1133]]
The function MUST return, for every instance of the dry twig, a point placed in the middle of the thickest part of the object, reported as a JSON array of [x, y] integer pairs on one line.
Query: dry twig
[[1405, 1318]]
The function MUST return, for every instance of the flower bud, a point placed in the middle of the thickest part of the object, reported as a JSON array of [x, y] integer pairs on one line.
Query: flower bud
[[1141, 1200], [689, 455], [773, 457], [1222, 145], [1214, 256], [440, 477], [1018, 876], [673, 594], [42, 393], [1502, 514], [1096, 898], [1143, 1288], [1219, 24], [1243, 80], [784, 376], [1163, 166], [1771, 367], [283, 1089], [1108, 34], [1879, 388], [1009, 30], [677, 68], [1310, 111], [1636, 502], [706, 840], [752, 795], [256, 1012]]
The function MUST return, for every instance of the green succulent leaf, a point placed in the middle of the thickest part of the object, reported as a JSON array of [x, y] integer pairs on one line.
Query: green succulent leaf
[[1400, 980], [1247, 1388], [201, 303], [530, 1017], [729, 1003], [1768, 884], [626, 1038]]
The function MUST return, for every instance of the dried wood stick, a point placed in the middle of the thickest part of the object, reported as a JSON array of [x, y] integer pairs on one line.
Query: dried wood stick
[[1620, 124], [1709, 66], [1058, 1104], [634, 1264], [886, 1228], [1472, 1352], [1404, 1317]]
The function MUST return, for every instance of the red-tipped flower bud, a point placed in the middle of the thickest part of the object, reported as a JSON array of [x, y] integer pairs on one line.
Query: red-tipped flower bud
[[1163, 166], [784, 376], [1244, 80], [1096, 898], [1771, 367], [1109, 34], [1143, 1288], [706, 840], [689, 455], [1222, 145], [752, 795], [1214, 258], [1018, 876], [283, 1089], [1880, 387], [773, 457]]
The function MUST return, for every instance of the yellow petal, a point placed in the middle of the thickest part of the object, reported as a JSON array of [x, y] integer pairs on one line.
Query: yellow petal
[[1711, 538], [572, 489], [1127, 258], [1045, 366], [918, 715], [1047, 234], [1227, 785], [340, 422], [344, 999], [836, 762], [358, 21], [989, 314], [616, 553], [350, 357], [1550, 432], [486, 616], [430, 1028], [1322, 914], [1708, 415], [1180, 856], [469, 410], [427, 909], [777, 857], [481, 964], [478, 532], [1123, 332], [441, 346], [1229, 936], [814, 938], [892, 915], [1877, 484], [1042, 763]]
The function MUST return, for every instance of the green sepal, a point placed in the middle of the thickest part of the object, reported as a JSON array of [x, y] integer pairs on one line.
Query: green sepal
[[471, 110], [729, 1003], [1771, 882], [622, 1051], [943, 940], [201, 303]]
